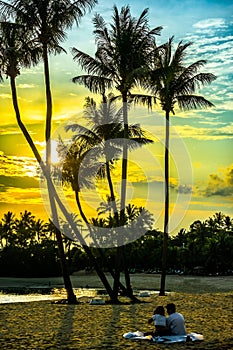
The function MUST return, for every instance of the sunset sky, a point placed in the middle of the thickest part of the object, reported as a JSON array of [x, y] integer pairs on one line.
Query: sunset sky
[[201, 140]]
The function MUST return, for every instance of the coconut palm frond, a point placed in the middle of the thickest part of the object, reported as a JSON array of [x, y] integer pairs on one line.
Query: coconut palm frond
[[17, 47], [193, 68], [94, 83], [189, 85], [179, 54], [145, 100], [78, 128], [90, 64], [187, 102]]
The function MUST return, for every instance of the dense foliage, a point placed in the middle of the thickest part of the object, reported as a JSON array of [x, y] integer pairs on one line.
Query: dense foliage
[[28, 248]]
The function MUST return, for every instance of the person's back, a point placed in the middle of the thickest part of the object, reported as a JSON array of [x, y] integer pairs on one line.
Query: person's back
[[175, 321]]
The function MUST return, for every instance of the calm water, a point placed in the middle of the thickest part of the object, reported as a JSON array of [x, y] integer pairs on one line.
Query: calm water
[[14, 295]]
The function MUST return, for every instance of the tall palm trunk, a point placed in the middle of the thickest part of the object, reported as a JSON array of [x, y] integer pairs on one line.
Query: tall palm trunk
[[121, 252], [67, 282], [116, 275], [166, 209], [124, 158], [20, 123], [71, 297]]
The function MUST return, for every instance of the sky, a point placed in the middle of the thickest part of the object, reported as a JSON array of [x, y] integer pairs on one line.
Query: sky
[[201, 179]]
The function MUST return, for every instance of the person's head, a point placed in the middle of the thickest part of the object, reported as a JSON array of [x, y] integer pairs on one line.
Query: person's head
[[171, 308], [160, 310]]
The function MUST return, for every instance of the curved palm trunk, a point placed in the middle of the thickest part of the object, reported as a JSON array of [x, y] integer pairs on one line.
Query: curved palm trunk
[[166, 209], [52, 189], [117, 283], [71, 297], [110, 291], [113, 293], [67, 282]]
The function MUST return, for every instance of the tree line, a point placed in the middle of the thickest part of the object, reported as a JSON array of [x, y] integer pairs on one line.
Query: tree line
[[28, 248], [127, 57]]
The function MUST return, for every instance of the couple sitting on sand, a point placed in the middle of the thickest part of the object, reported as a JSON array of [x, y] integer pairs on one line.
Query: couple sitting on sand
[[174, 324]]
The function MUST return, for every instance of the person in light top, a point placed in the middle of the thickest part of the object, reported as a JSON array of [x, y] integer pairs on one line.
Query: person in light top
[[175, 321], [160, 322]]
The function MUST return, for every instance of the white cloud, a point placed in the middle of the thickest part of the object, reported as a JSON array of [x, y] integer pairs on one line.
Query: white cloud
[[18, 166], [5, 96], [26, 86], [188, 131], [210, 22]]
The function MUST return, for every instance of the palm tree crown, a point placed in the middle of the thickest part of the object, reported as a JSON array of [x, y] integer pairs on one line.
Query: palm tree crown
[[49, 19], [121, 54], [16, 49], [173, 82]]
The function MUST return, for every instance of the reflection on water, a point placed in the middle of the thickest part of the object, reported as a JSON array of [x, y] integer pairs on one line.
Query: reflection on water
[[17, 295]]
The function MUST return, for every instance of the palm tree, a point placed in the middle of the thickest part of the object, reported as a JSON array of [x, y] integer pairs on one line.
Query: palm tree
[[8, 226], [24, 229], [172, 82], [47, 21], [120, 61], [19, 50], [38, 226], [106, 129]]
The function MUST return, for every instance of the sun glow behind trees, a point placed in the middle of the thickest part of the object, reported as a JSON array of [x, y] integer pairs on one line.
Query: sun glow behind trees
[[206, 135]]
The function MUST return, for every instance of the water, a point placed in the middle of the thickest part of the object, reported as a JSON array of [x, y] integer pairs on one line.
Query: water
[[17, 295]]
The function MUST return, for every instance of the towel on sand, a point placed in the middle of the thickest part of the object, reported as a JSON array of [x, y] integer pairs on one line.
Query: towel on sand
[[168, 339]]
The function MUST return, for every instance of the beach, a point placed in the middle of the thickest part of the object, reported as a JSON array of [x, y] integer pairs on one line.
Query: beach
[[44, 325]]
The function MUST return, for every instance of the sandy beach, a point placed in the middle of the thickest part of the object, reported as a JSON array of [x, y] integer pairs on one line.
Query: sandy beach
[[43, 325]]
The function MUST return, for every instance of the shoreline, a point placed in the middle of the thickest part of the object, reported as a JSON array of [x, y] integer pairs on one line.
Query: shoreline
[[140, 281]]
